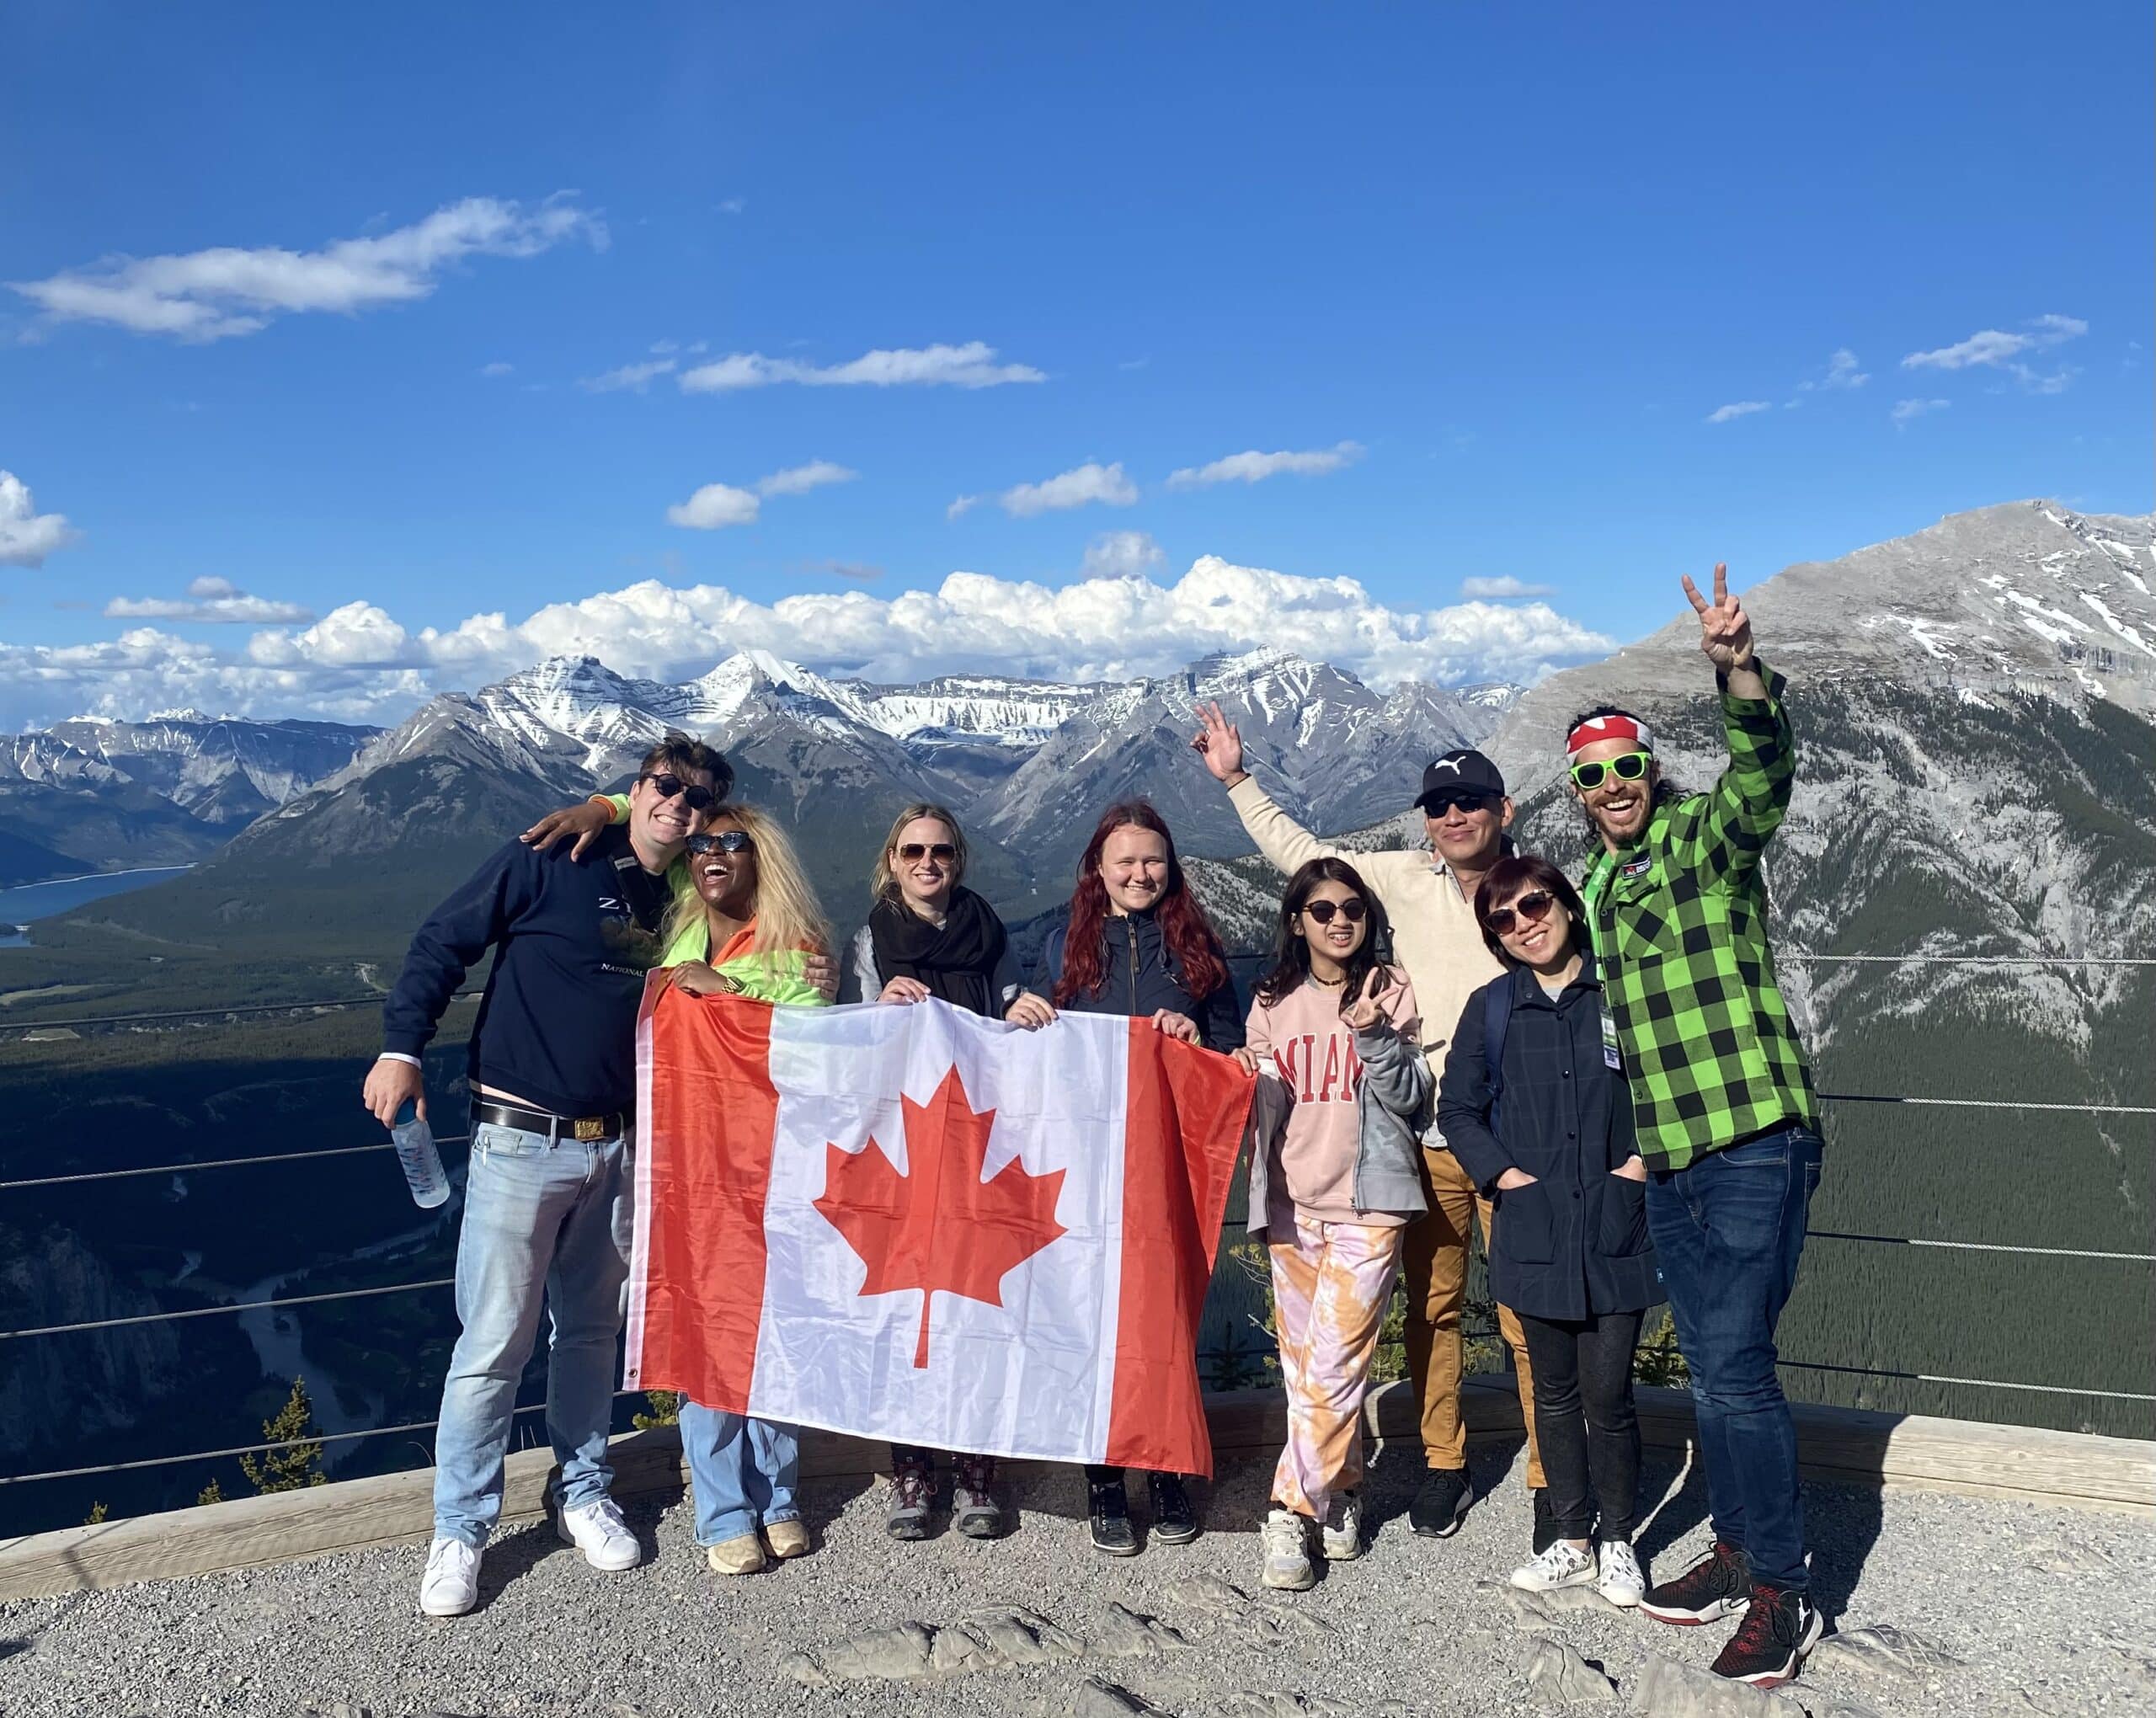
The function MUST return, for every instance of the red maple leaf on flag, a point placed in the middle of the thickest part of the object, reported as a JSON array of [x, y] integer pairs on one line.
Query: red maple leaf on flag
[[939, 1225]]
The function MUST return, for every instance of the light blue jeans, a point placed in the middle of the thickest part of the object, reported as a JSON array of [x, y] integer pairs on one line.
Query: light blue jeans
[[743, 1472], [548, 1222]]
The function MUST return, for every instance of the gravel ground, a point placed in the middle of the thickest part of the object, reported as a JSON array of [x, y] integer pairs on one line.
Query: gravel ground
[[2010, 1609]]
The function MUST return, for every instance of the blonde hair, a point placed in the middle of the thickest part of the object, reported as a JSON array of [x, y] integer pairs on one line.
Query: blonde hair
[[787, 914], [882, 883]]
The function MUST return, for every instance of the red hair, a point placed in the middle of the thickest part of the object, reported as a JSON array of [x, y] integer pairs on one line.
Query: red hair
[[1195, 953]]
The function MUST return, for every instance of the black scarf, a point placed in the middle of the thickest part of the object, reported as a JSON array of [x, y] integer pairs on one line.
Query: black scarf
[[957, 960]]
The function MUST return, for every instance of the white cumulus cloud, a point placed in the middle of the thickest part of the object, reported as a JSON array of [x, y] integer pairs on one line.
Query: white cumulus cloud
[[358, 662], [27, 536], [215, 294], [970, 365], [1255, 467], [1503, 587], [714, 507], [1735, 408]]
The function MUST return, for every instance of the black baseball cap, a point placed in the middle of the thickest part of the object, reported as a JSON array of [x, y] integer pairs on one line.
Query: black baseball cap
[[1465, 770]]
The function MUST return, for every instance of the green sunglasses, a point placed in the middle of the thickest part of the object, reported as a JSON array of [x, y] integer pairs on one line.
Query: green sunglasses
[[1630, 767]]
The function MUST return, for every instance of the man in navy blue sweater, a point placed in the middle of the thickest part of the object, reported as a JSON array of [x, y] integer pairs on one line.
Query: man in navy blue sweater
[[549, 1197]]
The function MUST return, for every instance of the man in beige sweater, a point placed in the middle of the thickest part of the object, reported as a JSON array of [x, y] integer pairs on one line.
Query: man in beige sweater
[[1430, 898]]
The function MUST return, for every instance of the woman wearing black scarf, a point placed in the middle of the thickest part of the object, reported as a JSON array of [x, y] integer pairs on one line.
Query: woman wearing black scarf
[[927, 937]]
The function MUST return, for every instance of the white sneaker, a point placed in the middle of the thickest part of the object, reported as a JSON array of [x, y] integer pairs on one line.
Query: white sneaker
[[450, 1586], [1563, 1565], [1285, 1541], [1621, 1581], [596, 1528], [1342, 1534]]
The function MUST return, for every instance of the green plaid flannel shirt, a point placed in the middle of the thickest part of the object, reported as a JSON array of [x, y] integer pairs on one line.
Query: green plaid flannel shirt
[[1679, 923]]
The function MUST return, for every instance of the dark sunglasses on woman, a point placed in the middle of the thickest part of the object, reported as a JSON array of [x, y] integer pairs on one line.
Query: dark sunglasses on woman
[[725, 841], [1630, 767], [694, 794], [1321, 912], [1534, 906], [942, 852]]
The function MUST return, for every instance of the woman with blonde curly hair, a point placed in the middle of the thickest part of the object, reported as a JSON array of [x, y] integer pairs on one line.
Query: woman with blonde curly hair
[[748, 928]]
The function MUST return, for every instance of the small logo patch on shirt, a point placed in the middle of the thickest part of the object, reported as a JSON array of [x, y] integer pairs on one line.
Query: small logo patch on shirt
[[1637, 868]]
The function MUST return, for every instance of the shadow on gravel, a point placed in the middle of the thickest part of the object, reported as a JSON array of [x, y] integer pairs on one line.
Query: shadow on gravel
[[513, 1555], [1842, 1523], [8, 1649]]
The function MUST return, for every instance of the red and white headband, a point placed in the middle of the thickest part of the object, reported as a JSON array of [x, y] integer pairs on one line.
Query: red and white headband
[[1597, 727]]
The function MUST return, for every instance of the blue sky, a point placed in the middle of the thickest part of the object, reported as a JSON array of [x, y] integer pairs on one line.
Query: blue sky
[[1491, 272]]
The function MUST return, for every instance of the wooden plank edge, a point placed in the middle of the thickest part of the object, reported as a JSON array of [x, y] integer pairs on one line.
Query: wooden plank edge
[[1847, 1446]]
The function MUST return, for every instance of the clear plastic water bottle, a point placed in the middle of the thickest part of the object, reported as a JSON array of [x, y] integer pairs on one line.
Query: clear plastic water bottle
[[415, 1150]]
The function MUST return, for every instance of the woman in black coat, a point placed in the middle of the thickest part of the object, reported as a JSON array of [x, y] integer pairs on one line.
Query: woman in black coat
[[1534, 1105]]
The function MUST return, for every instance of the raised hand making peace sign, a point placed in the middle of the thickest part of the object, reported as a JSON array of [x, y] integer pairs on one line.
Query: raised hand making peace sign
[[1725, 629], [1725, 635], [1365, 1012]]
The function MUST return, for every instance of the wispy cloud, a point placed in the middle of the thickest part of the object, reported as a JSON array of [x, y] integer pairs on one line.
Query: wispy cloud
[[971, 365], [1122, 554], [628, 378], [27, 536], [217, 294], [733, 205], [1080, 487], [1842, 373], [497, 368], [1735, 408], [1997, 348], [1255, 467], [214, 601], [716, 506], [799, 480], [1907, 412], [860, 572], [1500, 589]]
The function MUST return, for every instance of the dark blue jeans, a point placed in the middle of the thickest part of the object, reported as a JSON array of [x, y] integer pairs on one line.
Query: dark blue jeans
[[1728, 1231]]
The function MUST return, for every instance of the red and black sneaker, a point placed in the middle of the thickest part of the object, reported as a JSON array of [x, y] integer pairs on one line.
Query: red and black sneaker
[[1769, 1644], [1718, 1585]]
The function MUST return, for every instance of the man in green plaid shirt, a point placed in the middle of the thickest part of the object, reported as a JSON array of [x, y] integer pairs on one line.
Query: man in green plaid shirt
[[1724, 1113]]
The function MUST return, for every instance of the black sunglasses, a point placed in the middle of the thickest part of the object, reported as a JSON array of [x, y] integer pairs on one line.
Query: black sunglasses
[[942, 852], [725, 841], [1438, 804], [1321, 912], [1534, 906], [694, 794]]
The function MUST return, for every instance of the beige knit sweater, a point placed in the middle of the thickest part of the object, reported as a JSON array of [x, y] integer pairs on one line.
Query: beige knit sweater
[[1435, 935]]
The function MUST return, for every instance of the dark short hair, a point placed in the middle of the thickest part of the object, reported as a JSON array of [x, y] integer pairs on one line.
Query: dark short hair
[[1519, 871], [676, 751]]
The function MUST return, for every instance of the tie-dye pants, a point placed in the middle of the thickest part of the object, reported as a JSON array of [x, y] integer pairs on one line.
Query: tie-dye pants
[[1330, 1287]]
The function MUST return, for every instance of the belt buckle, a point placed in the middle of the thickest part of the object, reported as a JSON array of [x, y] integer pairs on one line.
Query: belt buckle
[[587, 1127]]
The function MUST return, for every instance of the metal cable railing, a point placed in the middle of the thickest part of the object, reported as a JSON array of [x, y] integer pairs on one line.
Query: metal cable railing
[[430, 1284]]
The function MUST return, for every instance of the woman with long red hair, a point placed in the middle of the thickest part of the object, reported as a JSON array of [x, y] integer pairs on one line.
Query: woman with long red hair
[[1137, 944]]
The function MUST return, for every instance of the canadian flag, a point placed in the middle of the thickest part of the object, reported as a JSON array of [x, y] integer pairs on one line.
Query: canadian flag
[[914, 1223]]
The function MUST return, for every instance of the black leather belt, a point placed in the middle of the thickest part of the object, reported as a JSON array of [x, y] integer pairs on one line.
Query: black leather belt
[[532, 1121]]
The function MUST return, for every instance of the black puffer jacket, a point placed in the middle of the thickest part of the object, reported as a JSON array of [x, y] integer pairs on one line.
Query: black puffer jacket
[[1139, 979], [1574, 1242]]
